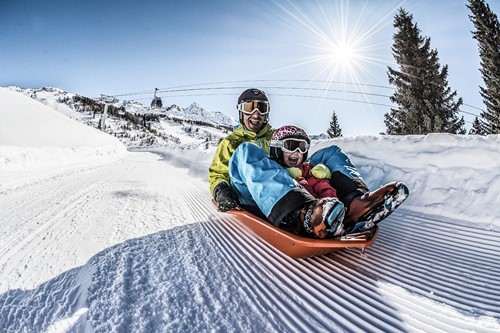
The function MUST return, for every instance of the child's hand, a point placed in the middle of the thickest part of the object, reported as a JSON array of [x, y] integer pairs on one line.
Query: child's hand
[[294, 172], [321, 171]]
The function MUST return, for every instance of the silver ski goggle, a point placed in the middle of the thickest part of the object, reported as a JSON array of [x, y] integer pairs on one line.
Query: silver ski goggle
[[250, 107], [291, 145]]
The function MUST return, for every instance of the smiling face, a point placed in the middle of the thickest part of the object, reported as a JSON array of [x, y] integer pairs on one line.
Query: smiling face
[[293, 159], [254, 122]]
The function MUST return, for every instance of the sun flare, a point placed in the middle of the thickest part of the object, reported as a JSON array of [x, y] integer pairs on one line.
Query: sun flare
[[343, 54], [338, 41]]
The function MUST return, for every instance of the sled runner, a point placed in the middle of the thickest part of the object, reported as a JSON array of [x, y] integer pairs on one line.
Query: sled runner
[[301, 247]]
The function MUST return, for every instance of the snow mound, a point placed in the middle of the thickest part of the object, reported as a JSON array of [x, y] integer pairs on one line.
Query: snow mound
[[448, 175], [30, 148]]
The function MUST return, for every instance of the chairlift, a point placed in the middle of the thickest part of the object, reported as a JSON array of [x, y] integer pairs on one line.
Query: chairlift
[[156, 102], [108, 99]]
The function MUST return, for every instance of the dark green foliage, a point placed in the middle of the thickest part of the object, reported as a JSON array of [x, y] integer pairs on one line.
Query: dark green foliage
[[477, 128], [334, 131], [425, 102], [487, 34]]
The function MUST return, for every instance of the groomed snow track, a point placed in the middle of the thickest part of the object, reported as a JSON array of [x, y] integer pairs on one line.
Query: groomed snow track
[[399, 284], [417, 264]]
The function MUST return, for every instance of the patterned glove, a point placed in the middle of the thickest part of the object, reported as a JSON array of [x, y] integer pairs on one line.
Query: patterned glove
[[225, 197]]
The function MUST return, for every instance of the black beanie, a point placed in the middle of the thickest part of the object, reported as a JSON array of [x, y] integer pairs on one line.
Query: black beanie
[[253, 95]]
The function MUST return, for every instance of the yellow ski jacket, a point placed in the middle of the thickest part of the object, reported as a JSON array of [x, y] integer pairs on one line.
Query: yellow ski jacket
[[218, 171]]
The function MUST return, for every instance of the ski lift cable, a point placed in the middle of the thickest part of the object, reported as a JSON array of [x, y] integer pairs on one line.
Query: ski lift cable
[[277, 87], [282, 95], [173, 90], [333, 98], [472, 106], [243, 81], [306, 96], [176, 90], [289, 95], [300, 80]]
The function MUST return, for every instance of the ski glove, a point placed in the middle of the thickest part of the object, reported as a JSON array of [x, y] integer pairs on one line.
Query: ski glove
[[225, 197], [321, 171], [294, 172]]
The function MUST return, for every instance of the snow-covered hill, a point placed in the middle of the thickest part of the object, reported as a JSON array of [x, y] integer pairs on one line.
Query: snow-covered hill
[[139, 126], [67, 144], [129, 241]]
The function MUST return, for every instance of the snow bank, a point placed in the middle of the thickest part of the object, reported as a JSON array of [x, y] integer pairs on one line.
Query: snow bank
[[37, 142], [448, 175]]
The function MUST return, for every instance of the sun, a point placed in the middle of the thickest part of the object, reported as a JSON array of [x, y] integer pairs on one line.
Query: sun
[[343, 54]]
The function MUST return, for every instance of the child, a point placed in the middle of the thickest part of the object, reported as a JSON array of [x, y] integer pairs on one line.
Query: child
[[289, 147]]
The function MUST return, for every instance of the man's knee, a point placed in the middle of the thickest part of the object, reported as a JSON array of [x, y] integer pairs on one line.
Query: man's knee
[[329, 155]]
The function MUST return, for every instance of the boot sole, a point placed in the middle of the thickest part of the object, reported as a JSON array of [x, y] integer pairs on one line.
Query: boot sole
[[392, 201]]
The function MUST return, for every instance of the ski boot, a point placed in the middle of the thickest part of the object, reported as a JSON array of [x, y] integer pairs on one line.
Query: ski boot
[[324, 218]]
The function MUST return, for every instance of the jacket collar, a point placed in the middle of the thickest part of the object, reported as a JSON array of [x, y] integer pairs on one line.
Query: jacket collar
[[240, 130]]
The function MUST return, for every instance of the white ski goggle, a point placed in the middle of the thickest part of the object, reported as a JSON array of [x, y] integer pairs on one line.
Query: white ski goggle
[[291, 145], [250, 107]]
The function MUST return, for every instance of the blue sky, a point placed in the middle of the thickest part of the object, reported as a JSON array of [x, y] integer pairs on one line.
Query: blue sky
[[312, 57]]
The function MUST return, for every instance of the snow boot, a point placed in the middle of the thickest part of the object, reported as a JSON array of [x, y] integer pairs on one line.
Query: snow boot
[[373, 207], [323, 218], [392, 201]]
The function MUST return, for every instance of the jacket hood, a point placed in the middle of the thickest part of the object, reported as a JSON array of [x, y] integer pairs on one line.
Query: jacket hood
[[241, 131]]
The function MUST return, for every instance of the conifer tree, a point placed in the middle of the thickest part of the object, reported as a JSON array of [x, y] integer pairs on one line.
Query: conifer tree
[[477, 127], [425, 102], [487, 34], [334, 131]]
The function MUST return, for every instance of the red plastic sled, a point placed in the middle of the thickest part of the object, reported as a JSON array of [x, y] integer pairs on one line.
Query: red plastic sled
[[301, 247]]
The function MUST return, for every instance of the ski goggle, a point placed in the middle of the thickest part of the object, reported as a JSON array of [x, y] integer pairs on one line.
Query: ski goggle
[[291, 145], [250, 107]]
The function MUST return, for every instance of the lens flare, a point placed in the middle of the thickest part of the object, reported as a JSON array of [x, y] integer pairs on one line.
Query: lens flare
[[339, 42], [339, 49]]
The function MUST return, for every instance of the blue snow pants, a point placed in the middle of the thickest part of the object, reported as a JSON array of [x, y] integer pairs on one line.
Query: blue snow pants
[[261, 182], [257, 179]]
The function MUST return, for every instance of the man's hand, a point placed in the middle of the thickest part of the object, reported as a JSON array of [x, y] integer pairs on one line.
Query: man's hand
[[225, 197]]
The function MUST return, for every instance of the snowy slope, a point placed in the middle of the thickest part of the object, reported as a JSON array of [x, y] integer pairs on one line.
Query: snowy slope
[[134, 245], [67, 144]]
